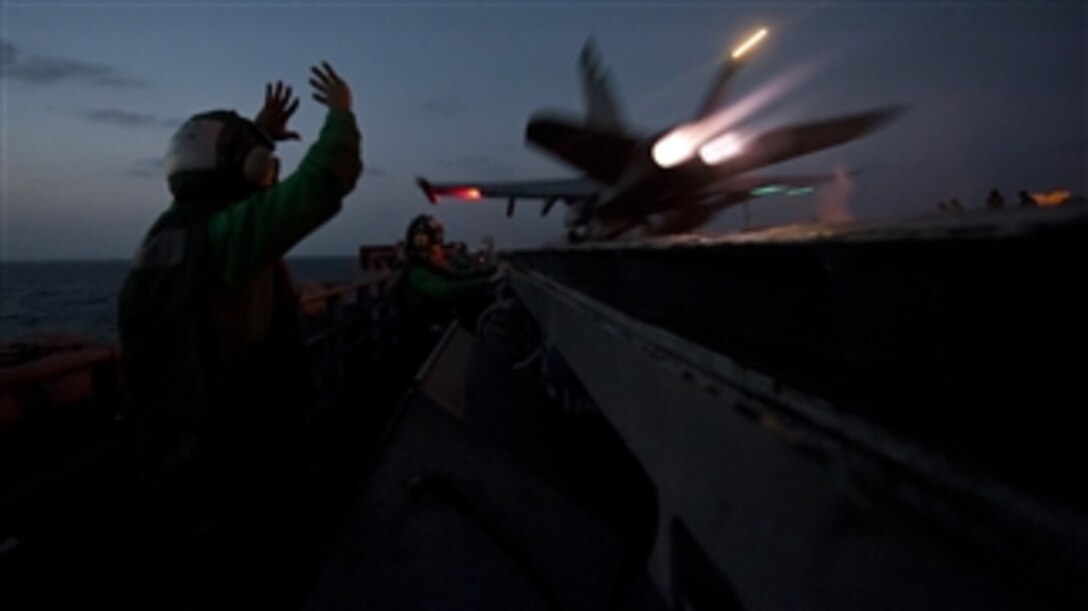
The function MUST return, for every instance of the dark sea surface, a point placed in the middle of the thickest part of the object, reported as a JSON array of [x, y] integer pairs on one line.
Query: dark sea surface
[[79, 298]]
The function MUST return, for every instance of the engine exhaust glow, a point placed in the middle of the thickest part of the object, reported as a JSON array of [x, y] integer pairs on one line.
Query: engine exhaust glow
[[720, 148], [674, 148], [685, 141], [747, 45]]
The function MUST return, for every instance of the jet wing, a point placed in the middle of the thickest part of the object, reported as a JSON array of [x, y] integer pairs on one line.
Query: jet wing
[[797, 140], [601, 154], [549, 191]]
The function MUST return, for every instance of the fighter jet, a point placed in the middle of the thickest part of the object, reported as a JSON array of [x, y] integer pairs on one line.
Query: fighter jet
[[672, 181]]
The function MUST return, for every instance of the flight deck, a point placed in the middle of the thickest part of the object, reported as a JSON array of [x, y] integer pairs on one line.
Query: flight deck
[[861, 415], [820, 416]]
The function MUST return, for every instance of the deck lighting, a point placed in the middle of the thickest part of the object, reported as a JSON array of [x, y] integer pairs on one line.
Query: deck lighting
[[766, 190]]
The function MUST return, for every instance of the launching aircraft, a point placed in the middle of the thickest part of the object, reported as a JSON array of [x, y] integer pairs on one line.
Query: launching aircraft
[[672, 181]]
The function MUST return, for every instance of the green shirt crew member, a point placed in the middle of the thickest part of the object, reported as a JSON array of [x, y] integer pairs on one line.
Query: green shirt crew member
[[431, 288], [211, 347]]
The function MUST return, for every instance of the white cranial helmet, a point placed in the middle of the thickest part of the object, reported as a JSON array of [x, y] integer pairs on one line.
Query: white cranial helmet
[[219, 150]]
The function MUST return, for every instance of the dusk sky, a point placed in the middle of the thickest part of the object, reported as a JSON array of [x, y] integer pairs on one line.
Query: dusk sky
[[92, 91]]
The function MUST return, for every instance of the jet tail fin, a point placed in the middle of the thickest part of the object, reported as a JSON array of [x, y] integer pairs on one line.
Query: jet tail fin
[[731, 65], [602, 110], [720, 89], [428, 189]]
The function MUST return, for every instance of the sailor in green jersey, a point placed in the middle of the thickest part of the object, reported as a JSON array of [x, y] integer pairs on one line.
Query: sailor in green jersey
[[211, 347], [437, 285], [212, 354]]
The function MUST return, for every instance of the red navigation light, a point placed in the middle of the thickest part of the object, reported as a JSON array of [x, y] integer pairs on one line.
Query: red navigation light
[[465, 193]]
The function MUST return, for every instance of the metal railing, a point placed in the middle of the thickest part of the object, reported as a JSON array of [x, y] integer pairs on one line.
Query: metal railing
[[352, 322]]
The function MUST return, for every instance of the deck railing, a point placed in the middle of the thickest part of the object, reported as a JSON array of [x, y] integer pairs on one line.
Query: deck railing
[[352, 321]]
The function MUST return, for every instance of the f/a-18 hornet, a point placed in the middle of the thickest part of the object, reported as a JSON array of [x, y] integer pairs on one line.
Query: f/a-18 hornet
[[672, 181]]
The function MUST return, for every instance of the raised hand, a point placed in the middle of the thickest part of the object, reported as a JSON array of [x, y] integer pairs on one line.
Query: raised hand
[[277, 111], [329, 88]]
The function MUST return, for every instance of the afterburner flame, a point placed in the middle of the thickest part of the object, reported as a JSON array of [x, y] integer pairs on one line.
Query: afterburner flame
[[752, 41], [674, 148], [685, 141], [720, 148]]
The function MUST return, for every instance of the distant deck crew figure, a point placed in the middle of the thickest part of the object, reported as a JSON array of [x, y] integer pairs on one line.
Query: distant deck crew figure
[[208, 317], [995, 201], [1026, 200], [440, 281]]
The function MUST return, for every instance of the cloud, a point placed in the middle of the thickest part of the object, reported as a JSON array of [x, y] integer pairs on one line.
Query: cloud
[[123, 118], [51, 70]]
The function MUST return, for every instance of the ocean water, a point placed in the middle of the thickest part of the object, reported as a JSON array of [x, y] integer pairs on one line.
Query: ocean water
[[59, 299]]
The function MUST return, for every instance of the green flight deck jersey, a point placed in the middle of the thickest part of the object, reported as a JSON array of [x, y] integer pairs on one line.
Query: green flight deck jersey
[[208, 317]]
